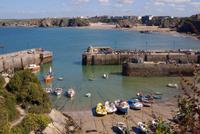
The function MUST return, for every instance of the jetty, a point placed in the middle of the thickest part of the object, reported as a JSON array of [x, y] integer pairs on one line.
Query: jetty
[[144, 62], [21, 59]]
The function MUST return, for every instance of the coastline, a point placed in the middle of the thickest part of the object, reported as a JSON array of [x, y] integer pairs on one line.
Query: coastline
[[139, 28]]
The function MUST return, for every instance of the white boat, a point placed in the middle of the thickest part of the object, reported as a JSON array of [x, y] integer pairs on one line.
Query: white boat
[[135, 104], [172, 85], [122, 106], [121, 128], [33, 67], [48, 90], [71, 92], [60, 78], [58, 91], [88, 94], [105, 76], [143, 127], [110, 107]]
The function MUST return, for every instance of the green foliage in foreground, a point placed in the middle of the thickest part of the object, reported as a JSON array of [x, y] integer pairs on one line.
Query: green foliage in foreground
[[32, 122], [8, 111], [29, 92]]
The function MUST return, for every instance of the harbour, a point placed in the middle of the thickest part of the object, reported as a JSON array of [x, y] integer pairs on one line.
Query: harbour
[[67, 63]]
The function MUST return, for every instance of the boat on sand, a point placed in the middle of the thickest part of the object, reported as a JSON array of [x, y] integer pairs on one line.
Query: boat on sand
[[100, 109], [122, 106], [110, 107], [121, 128]]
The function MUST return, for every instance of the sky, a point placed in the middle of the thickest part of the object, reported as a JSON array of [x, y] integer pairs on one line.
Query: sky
[[73, 8]]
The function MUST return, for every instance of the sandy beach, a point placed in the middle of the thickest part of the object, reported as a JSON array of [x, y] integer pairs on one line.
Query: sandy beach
[[95, 125], [140, 28]]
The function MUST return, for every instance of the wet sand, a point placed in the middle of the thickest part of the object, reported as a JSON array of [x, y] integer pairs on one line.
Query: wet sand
[[95, 125]]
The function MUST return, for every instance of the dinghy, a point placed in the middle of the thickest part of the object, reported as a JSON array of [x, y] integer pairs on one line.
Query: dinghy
[[122, 106], [58, 91], [88, 95], [49, 77], [60, 78], [48, 90], [100, 109], [71, 92], [121, 128], [105, 76], [135, 104], [143, 127], [172, 85], [110, 107]]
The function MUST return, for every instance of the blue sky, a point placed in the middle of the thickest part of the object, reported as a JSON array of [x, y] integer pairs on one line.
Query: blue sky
[[72, 8]]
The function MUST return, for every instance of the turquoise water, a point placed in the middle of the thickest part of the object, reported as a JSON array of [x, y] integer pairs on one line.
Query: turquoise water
[[68, 44]]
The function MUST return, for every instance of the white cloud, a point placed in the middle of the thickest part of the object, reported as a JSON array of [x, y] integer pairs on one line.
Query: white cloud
[[159, 3], [195, 4], [126, 1], [80, 1], [104, 1], [172, 1]]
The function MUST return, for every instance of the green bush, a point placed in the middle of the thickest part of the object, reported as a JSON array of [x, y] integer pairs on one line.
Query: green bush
[[32, 122], [29, 92]]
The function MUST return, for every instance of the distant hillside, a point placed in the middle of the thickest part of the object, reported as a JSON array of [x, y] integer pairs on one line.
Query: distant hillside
[[189, 25]]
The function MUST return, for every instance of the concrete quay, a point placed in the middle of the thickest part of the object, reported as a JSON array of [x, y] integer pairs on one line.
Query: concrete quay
[[21, 59]]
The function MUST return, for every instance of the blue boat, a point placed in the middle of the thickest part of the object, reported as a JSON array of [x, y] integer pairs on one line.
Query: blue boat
[[135, 104], [122, 106]]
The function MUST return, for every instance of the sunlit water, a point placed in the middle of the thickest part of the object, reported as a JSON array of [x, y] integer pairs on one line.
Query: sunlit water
[[68, 44]]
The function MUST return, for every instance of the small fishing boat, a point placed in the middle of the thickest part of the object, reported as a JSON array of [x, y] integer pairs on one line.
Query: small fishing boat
[[71, 92], [60, 78], [100, 109], [88, 95], [147, 104], [58, 91], [48, 90], [105, 76], [121, 128], [122, 106], [143, 127], [33, 67], [158, 93], [135, 104], [157, 97], [49, 77], [110, 107], [172, 85]]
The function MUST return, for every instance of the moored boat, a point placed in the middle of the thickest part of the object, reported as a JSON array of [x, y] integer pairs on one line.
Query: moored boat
[[88, 94], [105, 76], [110, 107], [172, 85], [33, 67], [60, 78], [122, 106], [49, 77], [100, 109], [48, 90], [121, 128], [58, 91], [71, 92]]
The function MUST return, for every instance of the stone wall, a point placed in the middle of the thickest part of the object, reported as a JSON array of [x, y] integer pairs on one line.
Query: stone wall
[[21, 59], [131, 69]]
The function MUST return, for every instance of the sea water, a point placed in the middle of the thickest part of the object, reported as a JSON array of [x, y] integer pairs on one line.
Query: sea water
[[68, 44]]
